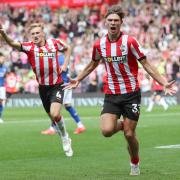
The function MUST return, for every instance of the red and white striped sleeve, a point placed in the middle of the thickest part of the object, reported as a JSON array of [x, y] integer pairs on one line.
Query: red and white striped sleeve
[[60, 45], [136, 49], [95, 53], [26, 46]]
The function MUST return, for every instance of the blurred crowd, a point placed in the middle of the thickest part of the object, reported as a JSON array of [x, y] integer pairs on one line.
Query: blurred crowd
[[155, 23]]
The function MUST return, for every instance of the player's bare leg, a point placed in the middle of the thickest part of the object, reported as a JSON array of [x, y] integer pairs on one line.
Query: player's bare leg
[[120, 125], [60, 128], [133, 145], [108, 124]]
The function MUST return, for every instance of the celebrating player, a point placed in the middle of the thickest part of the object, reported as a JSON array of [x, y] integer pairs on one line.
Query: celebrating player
[[120, 53], [43, 56], [67, 102]]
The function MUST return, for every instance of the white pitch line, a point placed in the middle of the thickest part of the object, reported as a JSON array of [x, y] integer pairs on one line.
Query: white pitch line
[[48, 120], [176, 146], [85, 117], [161, 115]]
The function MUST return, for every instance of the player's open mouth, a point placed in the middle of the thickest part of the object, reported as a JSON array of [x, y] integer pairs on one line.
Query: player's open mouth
[[113, 28]]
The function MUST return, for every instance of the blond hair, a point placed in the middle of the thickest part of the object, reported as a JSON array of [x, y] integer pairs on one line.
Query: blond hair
[[34, 25]]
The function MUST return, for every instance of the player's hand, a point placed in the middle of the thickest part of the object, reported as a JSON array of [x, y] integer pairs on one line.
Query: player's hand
[[71, 85], [63, 68], [169, 88], [1, 32], [1, 29]]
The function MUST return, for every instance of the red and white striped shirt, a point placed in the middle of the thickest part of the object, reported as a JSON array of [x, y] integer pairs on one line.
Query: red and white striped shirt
[[120, 58], [44, 60]]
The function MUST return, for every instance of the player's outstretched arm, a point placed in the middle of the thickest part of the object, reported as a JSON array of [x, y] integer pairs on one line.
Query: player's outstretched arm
[[152, 71], [9, 40], [87, 70]]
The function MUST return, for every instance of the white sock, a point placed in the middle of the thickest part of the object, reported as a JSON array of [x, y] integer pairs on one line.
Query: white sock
[[61, 129], [151, 104], [80, 124], [52, 128], [163, 103]]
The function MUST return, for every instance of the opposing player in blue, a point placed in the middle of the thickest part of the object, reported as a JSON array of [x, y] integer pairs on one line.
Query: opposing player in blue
[[3, 71], [67, 102]]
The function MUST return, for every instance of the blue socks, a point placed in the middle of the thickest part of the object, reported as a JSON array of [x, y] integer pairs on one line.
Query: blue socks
[[1, 110], [73, 113]]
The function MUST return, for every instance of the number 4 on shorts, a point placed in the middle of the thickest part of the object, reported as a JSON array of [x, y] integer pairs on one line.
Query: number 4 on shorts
[[58, 95]]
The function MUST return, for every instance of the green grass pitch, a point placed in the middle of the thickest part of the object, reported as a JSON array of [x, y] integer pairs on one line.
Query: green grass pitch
[[25, 154]]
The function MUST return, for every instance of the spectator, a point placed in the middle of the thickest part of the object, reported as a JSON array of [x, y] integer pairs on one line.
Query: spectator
[[155, 23]]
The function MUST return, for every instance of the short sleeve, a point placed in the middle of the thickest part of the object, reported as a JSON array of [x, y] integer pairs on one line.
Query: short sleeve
[[60, 45], [95, 53], [136, 49], [26, 46]]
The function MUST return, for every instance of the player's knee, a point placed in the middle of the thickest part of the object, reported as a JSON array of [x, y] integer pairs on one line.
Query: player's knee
[[56, 117], [106, 133], [129, 135]]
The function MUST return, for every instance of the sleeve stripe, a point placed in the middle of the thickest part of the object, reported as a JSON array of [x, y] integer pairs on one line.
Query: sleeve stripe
[[134, 52], [59, 42], [60, 47], [26, 46]]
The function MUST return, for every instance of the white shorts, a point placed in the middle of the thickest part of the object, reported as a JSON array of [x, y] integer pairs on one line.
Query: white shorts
[[67, 96], [2, 93]]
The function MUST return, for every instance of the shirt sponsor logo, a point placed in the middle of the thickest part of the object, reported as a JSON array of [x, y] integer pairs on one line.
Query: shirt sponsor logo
[[46, 54], [120, 59]]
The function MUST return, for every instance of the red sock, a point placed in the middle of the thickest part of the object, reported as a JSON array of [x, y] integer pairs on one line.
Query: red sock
[[122, 124], [135, 160]]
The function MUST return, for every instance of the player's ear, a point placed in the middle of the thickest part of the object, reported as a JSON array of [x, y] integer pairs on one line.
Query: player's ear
[[44, 34], [105, 23]]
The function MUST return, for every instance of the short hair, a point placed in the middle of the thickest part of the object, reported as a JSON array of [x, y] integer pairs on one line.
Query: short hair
[[115, 9], [34, 25]]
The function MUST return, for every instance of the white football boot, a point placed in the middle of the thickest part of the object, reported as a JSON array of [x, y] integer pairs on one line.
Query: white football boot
[[66, 142], [135, 171]]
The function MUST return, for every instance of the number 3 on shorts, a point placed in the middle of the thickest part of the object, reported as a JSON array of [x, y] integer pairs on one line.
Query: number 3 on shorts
[[135, 108]]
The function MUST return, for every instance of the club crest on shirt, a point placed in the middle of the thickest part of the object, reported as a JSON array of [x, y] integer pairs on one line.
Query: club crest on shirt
[[123, 49]]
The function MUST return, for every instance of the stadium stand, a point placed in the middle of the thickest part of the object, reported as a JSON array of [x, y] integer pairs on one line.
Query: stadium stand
[[155, 23]]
